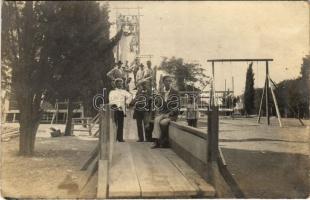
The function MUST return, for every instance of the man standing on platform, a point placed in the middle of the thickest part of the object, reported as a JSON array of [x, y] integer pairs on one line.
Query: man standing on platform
[[119, 99], [135, 69], [169, 110], [141, 112], [148, 72], [116, 72], [140, 74]]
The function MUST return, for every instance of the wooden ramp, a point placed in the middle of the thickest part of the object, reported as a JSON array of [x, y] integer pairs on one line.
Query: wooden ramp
[[137, 171]]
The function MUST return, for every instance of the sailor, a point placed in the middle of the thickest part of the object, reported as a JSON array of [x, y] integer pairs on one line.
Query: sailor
[[119, 99]]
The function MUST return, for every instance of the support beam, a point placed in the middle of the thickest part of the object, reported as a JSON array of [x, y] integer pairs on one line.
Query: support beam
[[241, 60], [290, 107], [275, 103], [267, 97], [213, 137], [213, 85]]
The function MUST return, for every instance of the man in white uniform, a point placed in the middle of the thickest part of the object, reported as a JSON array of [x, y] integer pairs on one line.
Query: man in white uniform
[[119, 99]]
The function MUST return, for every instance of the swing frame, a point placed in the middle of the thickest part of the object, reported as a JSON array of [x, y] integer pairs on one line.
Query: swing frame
[[265, 90]]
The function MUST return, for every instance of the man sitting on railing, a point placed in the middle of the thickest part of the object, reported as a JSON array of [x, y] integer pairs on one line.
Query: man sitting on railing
[[169, 111], [119, 99]]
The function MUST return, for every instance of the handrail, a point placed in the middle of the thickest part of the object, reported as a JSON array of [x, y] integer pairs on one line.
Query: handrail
[[106, 146], [215, 157], [90, 122]]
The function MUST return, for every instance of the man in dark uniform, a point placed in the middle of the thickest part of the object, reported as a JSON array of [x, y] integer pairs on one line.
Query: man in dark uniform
[[141, 112]]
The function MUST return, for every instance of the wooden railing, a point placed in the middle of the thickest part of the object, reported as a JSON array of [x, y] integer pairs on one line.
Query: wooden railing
[[107, 139], [202, 152], [85, 121]]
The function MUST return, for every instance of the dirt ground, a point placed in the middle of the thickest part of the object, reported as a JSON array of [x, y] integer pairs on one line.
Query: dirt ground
[[269, 174], [266, 161], [54, 170]]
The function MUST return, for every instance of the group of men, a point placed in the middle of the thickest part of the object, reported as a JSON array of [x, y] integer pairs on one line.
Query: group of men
[[139, 72], [152, 111]]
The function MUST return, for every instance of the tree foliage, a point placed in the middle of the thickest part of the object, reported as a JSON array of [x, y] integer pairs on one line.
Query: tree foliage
[[24, 49], [55, 50], [81, 52], [249, 92], [291, 98], [292, 95], [305, 81], [184, 73]]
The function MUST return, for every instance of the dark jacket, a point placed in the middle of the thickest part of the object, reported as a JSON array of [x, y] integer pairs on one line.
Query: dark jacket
[[172, 105], [141, 104]]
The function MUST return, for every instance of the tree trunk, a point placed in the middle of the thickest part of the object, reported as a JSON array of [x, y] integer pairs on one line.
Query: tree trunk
[[87, 106], [69, 118], [28, 128]]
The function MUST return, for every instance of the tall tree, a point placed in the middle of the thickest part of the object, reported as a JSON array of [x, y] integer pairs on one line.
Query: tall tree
[[305, 81], [249, 92], [24, 49], [5, 85], [51, 49], [184, 73], [82, 51]]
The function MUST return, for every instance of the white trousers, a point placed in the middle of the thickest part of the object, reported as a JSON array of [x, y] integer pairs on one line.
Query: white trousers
[[157, 131]]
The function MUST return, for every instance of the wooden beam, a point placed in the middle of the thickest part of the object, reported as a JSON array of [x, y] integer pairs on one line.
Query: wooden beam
[[92, 157], [213, 137], [267, 98], [203, 188], [102, 187], [241, 60], [276, 104]]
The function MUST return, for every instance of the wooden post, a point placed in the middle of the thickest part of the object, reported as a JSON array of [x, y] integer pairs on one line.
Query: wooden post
[[213, 85], [276, 104], [112, 137], [88, 121], [103, 168], [72, 126], [57, 110], [267, 98], [261, 103], [233, 86], [213, 136], [104, 133]]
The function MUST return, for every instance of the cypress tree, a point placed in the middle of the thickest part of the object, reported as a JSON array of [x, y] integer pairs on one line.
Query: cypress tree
[[249, 92]]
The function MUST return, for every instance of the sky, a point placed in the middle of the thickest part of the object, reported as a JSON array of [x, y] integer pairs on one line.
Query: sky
[[197, 31]]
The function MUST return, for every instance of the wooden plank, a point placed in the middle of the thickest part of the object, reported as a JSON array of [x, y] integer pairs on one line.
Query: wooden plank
[[153, 182], [204, 189], [180, 185], [102, 187], [91, 157], [189, 142], [157, 176], [91, 170], [123, 181]]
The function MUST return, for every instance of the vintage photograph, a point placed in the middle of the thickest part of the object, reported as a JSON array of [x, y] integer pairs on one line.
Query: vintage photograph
[[155, 99]]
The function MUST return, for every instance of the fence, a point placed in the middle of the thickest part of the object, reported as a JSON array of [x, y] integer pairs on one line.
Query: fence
[[88, 122]]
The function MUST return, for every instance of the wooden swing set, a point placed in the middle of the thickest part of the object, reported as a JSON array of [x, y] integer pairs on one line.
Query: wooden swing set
[[265, 94]]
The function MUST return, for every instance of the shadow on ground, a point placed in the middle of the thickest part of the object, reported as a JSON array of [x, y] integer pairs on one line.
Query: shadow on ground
[[269, 174]]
